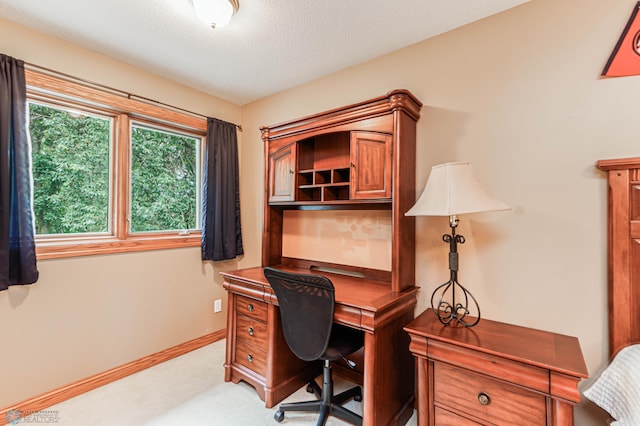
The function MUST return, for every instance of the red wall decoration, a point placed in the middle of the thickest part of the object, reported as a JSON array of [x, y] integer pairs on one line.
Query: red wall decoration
[[625, 58]]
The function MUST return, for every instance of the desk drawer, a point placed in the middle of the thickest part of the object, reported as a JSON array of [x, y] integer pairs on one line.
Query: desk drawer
[[485, 398], [252, 308], [253, 357], [252, 331]]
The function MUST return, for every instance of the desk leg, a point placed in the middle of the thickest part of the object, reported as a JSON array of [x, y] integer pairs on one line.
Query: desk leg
[[388, 373], [231, 336]]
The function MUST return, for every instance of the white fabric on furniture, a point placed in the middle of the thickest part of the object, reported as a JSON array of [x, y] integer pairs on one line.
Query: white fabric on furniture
[[617, 390]]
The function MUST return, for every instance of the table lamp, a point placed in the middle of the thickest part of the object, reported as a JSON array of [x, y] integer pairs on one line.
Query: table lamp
[[453, 189]]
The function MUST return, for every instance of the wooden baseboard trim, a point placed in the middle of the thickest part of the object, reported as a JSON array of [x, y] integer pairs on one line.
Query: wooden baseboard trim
[[56, 396]]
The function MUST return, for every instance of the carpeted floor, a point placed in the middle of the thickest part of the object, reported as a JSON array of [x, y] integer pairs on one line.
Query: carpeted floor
[[188, 391]]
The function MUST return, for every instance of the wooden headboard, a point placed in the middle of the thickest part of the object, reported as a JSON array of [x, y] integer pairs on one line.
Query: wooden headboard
[[623, 251]]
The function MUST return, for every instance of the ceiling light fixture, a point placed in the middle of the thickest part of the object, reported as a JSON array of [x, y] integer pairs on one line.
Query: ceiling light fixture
[[216, 13]]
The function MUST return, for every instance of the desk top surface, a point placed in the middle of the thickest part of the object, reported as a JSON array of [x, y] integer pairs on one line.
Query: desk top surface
[[360, 293]]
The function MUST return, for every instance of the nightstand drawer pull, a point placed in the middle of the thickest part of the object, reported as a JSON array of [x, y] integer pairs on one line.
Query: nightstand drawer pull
[[484, 399], [250, 358], [250, 307], [250, 331]]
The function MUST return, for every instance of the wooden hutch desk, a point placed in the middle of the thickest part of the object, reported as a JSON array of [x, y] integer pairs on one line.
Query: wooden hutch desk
[[362, 157]]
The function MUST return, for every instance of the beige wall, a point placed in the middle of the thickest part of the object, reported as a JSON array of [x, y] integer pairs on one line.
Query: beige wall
[[519, 95], [88, 315]]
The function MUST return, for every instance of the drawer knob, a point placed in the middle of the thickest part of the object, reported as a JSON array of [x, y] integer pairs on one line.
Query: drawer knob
[[484, 399], [250, 331], [250, 307], [250, 358]]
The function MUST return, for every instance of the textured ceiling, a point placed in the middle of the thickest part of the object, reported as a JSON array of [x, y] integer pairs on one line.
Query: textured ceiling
[[269, 46]]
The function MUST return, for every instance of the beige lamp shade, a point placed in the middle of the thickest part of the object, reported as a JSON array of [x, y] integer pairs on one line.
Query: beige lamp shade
[[454, 189]]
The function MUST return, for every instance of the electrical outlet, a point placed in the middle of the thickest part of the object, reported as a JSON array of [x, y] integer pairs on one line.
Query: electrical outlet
[[217, 305]]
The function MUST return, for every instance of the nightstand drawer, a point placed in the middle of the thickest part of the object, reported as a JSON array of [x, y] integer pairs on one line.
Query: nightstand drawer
[[447, 418], [492, 400], [251, 356], [491, 365], [252, 331], [251, 308]]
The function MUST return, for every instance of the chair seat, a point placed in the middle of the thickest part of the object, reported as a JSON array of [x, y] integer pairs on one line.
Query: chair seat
[[344, 341]]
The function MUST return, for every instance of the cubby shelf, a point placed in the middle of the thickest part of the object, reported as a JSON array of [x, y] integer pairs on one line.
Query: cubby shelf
[[320, 185]]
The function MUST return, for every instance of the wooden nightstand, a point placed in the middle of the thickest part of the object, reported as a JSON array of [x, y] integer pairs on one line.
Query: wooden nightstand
[[494, 374]]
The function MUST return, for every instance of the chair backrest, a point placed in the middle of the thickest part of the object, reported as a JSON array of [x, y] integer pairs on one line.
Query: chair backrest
[[306, 309]]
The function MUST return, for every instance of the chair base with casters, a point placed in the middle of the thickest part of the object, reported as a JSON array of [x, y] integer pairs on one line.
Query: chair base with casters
[[328, 404]]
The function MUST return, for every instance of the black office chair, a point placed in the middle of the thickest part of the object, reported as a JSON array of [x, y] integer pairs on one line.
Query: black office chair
[[306, 308]]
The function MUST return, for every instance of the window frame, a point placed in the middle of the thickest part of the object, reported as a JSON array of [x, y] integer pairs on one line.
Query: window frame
[[124, 109]]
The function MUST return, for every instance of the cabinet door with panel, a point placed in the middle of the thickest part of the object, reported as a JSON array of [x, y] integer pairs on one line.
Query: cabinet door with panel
[[371, 165], [282, 167]]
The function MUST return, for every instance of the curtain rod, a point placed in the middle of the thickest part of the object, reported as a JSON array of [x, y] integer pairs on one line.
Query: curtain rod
[[118, 91]]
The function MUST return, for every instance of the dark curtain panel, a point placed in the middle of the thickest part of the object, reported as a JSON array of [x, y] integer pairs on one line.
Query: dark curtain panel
[[17, 239], [221, 232]]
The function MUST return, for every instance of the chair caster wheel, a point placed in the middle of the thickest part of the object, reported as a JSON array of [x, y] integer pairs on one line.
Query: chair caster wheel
[[309, 389], [278, 416]]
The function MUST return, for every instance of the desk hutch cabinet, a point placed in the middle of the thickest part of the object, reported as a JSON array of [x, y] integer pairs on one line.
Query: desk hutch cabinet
[[362, 157], [494, 374]]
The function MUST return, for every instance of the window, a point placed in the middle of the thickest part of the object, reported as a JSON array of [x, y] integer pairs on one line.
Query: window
[[71, 162], [165, 183], [111, 173]]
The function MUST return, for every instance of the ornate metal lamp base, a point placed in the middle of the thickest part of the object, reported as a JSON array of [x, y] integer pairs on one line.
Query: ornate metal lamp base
[[452, 312]]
